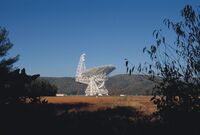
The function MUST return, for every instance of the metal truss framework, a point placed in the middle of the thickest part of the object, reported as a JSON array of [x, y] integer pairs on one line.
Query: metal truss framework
[[95, 78]]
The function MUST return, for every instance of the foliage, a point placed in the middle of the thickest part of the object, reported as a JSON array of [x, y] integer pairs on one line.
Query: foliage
[[16, 88], [14, 83], [41, 87], [178, 66]]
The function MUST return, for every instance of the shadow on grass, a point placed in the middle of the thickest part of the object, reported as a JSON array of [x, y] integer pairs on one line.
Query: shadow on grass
[[56, 119]]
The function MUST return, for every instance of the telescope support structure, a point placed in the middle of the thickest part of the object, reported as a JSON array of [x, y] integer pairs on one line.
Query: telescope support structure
[[95, 82]]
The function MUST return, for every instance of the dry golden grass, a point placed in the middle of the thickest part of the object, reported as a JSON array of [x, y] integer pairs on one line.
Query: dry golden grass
[[142, 103]]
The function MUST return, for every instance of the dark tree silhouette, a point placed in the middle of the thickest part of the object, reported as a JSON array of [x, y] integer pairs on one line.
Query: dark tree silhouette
[[15, 84], [175, 67], [5, 64], [5, 46], [19, 88], [42, 87]]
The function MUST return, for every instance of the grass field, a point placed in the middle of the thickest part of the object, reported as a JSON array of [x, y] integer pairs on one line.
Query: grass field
[[75, 115], [141, 103]]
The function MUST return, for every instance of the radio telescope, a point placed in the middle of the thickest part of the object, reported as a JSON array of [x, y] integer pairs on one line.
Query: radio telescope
[[94, 77]]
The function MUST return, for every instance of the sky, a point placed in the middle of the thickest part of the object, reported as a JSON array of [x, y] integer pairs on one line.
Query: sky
[[50, 35]]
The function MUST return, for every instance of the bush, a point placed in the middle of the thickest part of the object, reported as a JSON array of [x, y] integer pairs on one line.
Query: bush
[[42, 88], [177, 65]]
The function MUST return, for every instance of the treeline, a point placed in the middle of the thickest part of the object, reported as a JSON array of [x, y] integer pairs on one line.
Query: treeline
[[41, 87], [16, 86], [116, 85]]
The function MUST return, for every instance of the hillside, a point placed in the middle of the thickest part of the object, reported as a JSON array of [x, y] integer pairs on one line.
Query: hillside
[[116, 85]]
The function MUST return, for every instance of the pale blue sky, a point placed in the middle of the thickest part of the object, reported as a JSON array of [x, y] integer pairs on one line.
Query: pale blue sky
[[50, 35]]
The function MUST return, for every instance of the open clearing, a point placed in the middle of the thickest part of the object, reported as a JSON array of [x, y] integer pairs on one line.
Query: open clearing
[[141, 103]]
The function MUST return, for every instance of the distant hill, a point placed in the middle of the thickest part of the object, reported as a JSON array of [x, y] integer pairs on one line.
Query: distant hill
[[116, 85]]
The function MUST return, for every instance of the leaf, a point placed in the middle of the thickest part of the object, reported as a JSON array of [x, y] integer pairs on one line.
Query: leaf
[[153, 49], [133, 68], [156, 35], [144, 49], [164, 40], [126, 63], [150, 71], [139, 68], [150, 66], [154, 32]]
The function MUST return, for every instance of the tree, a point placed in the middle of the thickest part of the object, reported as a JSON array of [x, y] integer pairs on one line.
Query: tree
[[18, 87], [5, 64], [41, 87], [14, 83], [177, 65], [5, 45]]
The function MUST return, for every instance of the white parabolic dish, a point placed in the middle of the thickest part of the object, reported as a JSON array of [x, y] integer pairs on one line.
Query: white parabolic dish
[[100, 70], [94, 77]]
